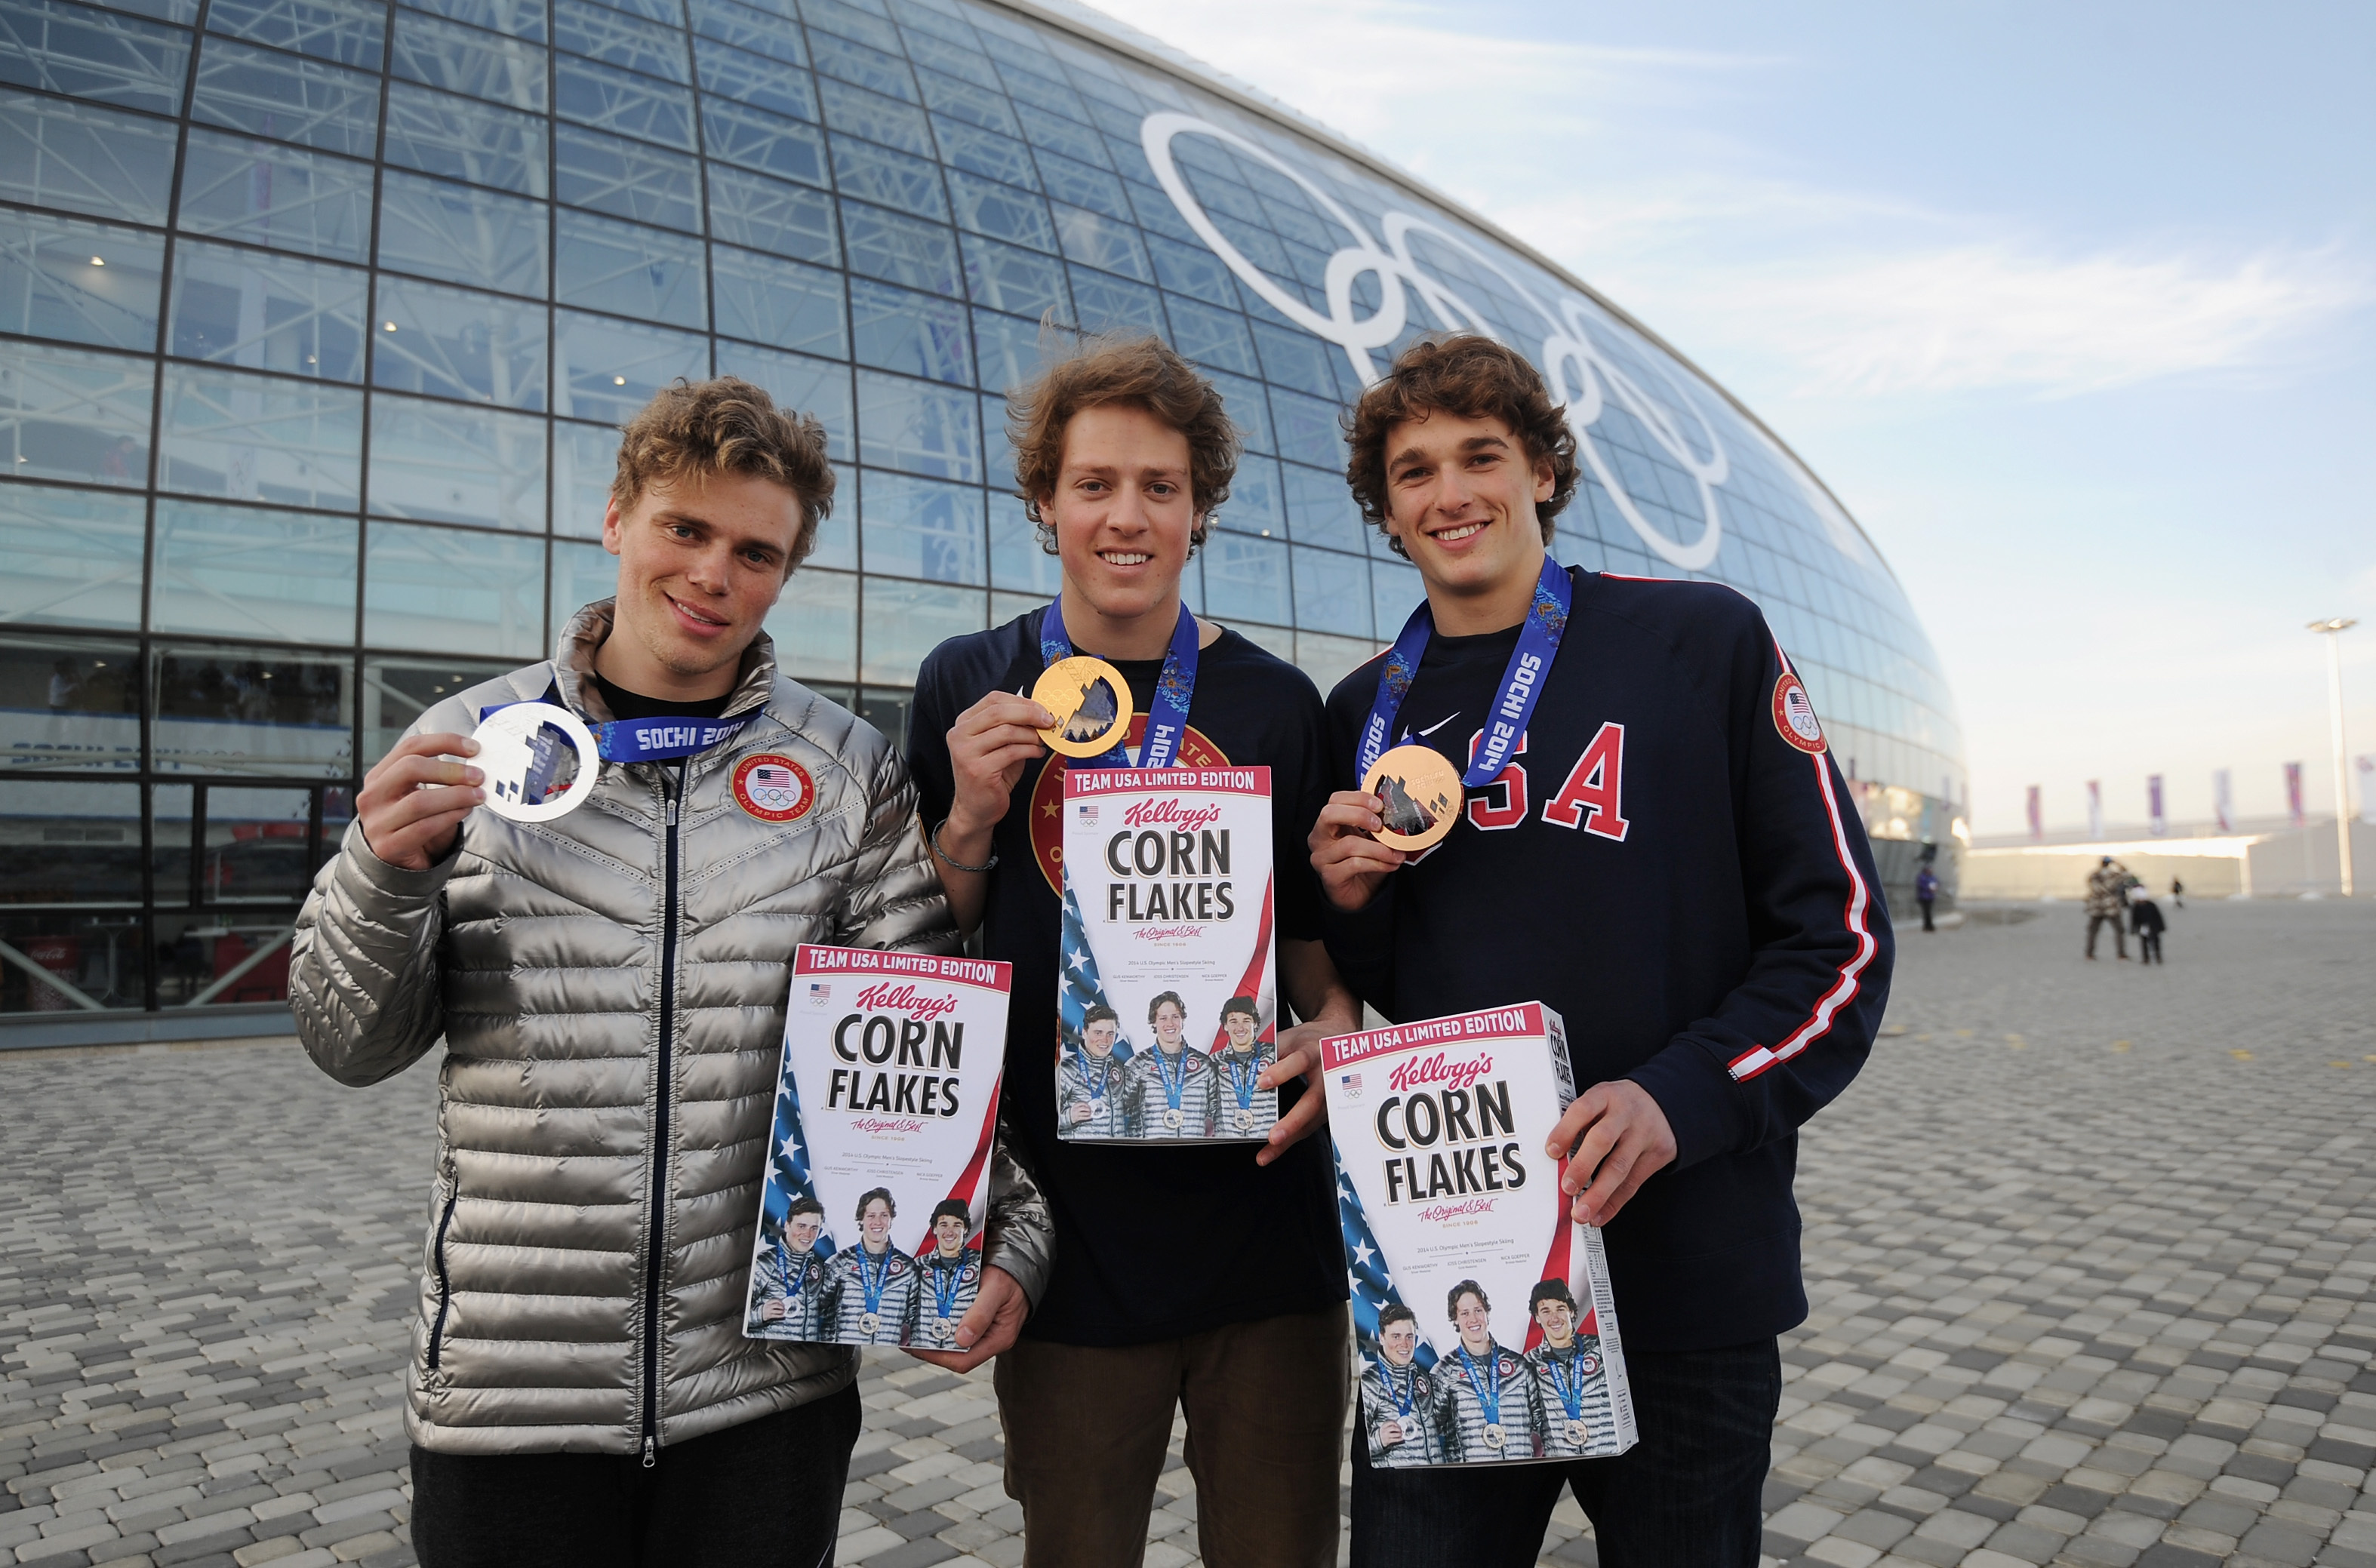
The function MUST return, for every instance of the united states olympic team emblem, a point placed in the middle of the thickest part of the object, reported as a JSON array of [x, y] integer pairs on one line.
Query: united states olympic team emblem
[[1794, 715], [773, 787]]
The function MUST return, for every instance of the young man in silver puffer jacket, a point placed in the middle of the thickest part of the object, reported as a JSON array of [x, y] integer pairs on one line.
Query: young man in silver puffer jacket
[[611, 988]]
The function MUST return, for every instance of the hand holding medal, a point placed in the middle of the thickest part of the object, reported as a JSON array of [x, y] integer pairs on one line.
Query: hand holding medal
[[1091, 703]]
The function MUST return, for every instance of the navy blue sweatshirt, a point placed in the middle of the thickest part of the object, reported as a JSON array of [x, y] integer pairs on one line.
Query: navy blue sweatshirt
[[1672, 863]]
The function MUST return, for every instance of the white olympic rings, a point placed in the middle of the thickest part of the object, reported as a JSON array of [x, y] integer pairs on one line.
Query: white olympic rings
[[1578, 372]]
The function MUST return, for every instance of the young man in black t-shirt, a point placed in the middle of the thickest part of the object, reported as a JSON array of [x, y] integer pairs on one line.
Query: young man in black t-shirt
[[1669, 859], [1210, 1277]]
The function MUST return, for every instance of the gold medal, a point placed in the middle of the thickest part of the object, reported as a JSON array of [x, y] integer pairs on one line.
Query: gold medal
[[1422, 794], [1091, 702]]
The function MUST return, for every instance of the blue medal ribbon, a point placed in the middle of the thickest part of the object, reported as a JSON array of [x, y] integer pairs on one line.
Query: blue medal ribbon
[[873, 1284], [784, 1272], [653, 739], [1406, 1392], [945, 1279], [1571, 1388], [1488, 1402], [1172, 1091], [1167, 717], [1522, 682], [1245, 1085]]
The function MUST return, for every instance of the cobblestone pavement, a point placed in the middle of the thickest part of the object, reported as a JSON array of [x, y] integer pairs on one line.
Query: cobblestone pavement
[[2090, 1248]]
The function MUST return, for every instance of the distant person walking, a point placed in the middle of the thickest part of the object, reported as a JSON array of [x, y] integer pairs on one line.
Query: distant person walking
[[2146, 916], [2108, 891], [1926, 893], [2177, 894]]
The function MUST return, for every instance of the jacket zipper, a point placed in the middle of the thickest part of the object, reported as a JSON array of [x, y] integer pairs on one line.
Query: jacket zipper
[[444, 1286], [658, 1229]]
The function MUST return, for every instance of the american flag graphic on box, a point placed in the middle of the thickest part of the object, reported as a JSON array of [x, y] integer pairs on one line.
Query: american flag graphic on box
[[1482, 1310]]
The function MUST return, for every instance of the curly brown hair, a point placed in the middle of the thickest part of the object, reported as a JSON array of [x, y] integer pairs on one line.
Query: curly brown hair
[[1143, 373], [1473, 377], [693, 429]]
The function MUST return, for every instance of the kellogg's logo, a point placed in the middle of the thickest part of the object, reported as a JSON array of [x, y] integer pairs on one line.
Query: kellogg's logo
[[885, 997], [1187, 819], [1408, 1076]]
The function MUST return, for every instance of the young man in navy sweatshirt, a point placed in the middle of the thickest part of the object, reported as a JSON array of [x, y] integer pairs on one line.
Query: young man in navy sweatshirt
[[1669, 859]]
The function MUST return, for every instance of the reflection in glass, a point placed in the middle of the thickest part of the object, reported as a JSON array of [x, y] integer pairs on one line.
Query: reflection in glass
[[84, 282], [461, 235], [1320, 510], [747, 28], [1395, 591], [919, 427], [901, 250], [819, 388], [270, 194], [56, 152], [920, 528], [226, 957], [585, 461], [86, 962], [892, 179], [581, 573], [1016, 560], [463, 139], [268, 312], [267, 93], [240, 572], [449, 588], [630, 271], [255, 712], [853, 110], [782, 303], [465, 60], [770, 216], [95, 55], [600, 34], [626, 179], [742, 78], [513, 18], [1247, 579], [454, 343], [73, 556], [815, 626], [69, 703], [769, 144], [905, 620], [1332, 593], [69, 413], [1329, 659], [445, 463], [607, 370], [397, 691], [350, 31], [914, 334], [1000, 213], [69, 843], [260, 438], [611, 100]]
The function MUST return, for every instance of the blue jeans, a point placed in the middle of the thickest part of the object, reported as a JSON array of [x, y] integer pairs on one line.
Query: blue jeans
[[1686, 1496]]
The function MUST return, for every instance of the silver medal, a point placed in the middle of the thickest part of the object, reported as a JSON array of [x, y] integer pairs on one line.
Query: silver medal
[[1245, 1121], [525, 751], [1493, 1434], [1575, 1434], [1173, 1120], [867, 1323]]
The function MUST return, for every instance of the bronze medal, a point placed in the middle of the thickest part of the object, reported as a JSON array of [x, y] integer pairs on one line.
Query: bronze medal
[[1091, 702], [1422, 794]]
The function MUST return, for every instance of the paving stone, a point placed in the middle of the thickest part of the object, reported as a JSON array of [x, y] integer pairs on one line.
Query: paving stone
[[2049, 1293]]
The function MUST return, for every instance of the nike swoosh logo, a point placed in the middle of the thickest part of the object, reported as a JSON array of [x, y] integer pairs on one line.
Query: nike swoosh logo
[[1438, 724]]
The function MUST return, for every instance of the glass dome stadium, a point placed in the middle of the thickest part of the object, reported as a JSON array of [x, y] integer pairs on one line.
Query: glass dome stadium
[[321, 315]]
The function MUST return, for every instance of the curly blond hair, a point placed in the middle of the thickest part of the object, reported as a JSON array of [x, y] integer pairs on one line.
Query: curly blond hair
[[1143, 373], [693, 429]]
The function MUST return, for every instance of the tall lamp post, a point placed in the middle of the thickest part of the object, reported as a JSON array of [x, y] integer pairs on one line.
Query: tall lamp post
[[2332, 629]]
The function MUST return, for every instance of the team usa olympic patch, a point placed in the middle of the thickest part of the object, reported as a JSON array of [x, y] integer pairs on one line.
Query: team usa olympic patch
[[773, 787], [1794, 715]]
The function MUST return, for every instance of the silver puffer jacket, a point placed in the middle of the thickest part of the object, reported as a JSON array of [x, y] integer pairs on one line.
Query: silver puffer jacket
[[610, 989]]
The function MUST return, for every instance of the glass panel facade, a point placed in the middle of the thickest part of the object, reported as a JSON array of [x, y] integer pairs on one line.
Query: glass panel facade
[[319, 426]]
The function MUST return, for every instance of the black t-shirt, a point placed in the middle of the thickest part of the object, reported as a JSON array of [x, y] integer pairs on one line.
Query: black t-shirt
[[624, 704], [1151, 1243]]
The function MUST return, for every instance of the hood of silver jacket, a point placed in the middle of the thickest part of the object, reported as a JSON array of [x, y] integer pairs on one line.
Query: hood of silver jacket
[[534, 952]]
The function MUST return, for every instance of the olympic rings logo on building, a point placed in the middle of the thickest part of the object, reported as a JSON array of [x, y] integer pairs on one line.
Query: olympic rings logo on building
[[1576, 368]]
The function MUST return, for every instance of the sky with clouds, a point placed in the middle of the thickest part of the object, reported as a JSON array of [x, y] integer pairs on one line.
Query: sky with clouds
[[2073, 307]]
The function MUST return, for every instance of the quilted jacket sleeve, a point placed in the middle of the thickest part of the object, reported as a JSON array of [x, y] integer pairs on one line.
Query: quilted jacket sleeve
[[363, 967], [1020, 1235]]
